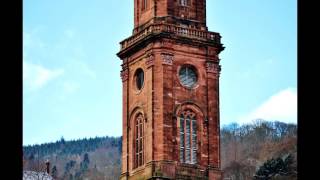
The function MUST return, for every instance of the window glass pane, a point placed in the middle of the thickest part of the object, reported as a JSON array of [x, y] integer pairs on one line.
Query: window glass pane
[[138, 141], [137, 146], [181, 140], [140, 145], [188, 160], [188, 76], [188, 125], [184, 79], [182, 155], [194, 156], [140, 159], [137, 132], [140, 129], [187, 140], [139, 76], [188, 133], [194, 126], [182, 131], [181, 125], [194, 141], [182, 72]]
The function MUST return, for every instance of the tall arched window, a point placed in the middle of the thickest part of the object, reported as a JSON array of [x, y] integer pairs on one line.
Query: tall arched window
[[188, 137], [139, 132]]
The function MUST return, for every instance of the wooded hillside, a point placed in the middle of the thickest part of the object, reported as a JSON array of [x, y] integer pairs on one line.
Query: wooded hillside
[[246, 148], [94, 158]]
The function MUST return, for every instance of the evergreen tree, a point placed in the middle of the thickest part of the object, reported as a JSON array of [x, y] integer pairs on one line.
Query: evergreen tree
[[276, 167], [78, 175], [31, 157], [62, 141], [84, 165], [71, 177], [54, 172], [69, 166]]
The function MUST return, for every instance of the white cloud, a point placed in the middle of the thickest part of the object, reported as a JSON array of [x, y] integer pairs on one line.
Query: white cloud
[[36, 76], [281, 107]]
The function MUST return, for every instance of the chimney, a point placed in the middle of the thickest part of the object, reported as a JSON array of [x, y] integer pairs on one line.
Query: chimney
[[48, 166]]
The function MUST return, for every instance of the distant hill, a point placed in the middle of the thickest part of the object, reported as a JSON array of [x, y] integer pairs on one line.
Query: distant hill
[[243, 150], [94, 158]]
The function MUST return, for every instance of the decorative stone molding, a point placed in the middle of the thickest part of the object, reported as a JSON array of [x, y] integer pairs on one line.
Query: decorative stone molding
[[124, 75], [211, 52], [167, 58], [188, 113], [166, 43], [155, 28], [149, 60], [213, 67]]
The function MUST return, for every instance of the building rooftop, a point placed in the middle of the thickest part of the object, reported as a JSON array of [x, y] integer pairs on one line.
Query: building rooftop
[[33, 175]]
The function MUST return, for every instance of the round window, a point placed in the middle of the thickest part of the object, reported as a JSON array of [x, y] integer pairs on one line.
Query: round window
[[139, 78], [188, 76]]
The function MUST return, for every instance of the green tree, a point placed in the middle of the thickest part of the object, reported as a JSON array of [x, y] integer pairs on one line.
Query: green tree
[[85, 163], [54, 172], [276, 168]]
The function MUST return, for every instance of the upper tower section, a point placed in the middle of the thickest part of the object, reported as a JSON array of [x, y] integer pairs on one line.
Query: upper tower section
[[179, 20], [188, 13]]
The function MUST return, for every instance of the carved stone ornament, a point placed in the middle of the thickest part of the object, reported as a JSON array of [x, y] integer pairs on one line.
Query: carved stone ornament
[[167, 59], [188, 113], [213, 67], [124, 75], [149, 60]]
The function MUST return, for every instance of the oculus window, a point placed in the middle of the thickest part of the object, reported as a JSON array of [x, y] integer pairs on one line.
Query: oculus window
[[139, 78], [188, 76]]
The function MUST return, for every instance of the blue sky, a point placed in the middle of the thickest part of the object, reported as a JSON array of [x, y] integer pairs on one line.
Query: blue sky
[[71, 74]]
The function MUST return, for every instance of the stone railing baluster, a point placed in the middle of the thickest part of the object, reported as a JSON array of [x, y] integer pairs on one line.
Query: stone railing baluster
[[178, 30]]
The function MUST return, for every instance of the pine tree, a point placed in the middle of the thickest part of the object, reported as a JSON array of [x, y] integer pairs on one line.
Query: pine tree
[[275, 168], [84, 165], [54, 172]]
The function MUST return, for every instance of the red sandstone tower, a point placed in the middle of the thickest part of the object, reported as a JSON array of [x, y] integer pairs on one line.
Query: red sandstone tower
[[170, 76]]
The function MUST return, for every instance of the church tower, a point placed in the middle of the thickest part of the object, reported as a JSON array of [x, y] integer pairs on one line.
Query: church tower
[[170, 77]]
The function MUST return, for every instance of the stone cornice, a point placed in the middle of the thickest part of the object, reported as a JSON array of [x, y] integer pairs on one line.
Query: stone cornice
[[173, 32], [124, 75]]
